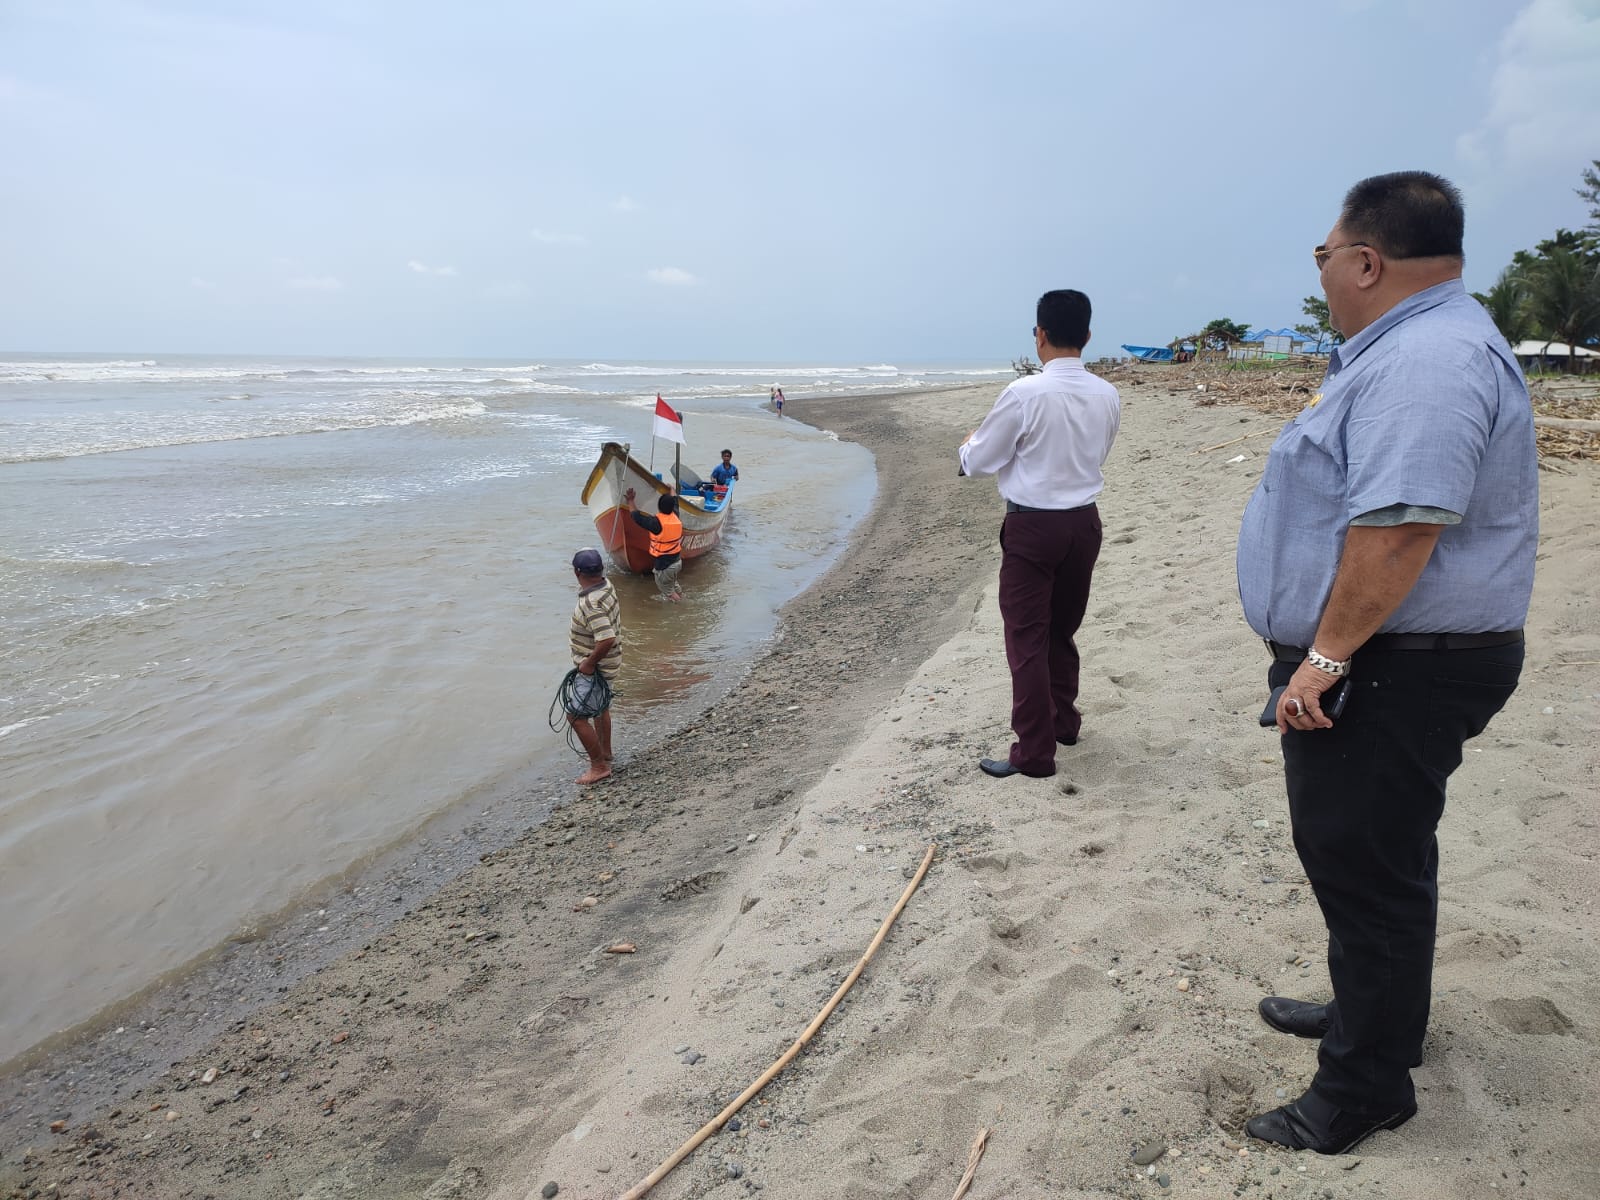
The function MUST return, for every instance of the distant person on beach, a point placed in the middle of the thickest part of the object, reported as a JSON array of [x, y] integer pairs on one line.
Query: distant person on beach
[[596, 643], [1045, 440], [724, 472], [1387, 559], [666, 542], [777, 399]]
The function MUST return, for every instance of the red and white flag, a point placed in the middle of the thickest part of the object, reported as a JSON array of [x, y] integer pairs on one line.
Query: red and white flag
[[669, 424]]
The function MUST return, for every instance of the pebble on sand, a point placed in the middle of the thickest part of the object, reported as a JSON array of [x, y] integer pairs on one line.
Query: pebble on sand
[[1149, 1152], [210, 1076], [1183, 985], [549, 1189]]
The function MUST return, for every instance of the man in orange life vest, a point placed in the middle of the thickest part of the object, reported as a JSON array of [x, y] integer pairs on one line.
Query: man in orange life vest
[[666, 541]]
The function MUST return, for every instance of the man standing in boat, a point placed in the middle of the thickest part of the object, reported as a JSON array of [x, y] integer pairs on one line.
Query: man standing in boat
[[724, 472], [666, 541], [596, 655]]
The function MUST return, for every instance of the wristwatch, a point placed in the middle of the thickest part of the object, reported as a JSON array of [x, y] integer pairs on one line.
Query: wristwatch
[[1323, 663]]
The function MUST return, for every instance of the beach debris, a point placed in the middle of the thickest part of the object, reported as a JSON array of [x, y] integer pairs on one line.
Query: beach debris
[[733, 1169], [1183, 984], [339, 1038], [1146, 1154], [58, 1126], [693, 1058], [622, 948], [172, 1114], [586, 902], [549, 1189], [974, 1157], [209, 1077], [642, 1188]]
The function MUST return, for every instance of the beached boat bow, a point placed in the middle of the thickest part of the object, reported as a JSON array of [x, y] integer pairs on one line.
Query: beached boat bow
[[628, 545]]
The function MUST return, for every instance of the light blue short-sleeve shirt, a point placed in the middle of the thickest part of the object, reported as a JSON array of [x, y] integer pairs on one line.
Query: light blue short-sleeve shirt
[[1425, 407]]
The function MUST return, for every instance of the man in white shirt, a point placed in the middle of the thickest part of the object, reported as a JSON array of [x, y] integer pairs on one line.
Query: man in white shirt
[[1045, 440]]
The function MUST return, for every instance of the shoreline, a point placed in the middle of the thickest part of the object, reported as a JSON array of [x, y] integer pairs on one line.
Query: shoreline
[[37, 1088], [488, 1043]]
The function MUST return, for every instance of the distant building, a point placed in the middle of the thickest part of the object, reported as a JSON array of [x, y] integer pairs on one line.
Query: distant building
[[1279, 343]]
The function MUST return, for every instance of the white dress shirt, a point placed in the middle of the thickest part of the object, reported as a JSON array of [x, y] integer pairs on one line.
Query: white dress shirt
[[1047, 437]]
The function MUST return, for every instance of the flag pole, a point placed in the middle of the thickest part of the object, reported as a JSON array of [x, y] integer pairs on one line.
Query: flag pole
[[677, 467]]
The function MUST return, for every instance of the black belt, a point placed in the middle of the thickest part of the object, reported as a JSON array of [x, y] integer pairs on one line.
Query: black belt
[[1013, 506], [1411, 641]]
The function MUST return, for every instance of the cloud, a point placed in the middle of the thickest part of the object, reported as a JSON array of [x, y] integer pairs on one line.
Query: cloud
[[315, 283], [623, 204], [1544, 98], [672, 277], [425, 269], [558, 239]]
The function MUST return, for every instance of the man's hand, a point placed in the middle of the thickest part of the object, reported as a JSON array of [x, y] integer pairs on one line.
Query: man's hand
[[1300, 706], [627, 497], [586, 667]]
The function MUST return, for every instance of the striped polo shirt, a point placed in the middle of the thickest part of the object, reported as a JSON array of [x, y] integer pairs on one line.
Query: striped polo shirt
[[596, 617]]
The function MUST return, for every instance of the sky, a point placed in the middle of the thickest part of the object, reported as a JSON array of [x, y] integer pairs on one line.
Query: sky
[[781, 181]]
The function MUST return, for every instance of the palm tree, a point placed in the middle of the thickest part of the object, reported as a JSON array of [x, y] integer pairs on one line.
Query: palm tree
[[1564, 298], [1507, 305]]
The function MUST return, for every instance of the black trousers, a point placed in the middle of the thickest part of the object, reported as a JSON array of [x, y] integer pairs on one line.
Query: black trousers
[[1045, 570], [1365, 798]]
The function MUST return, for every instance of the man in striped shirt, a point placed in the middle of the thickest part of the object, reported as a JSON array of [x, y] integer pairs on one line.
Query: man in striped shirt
[[597, 656]]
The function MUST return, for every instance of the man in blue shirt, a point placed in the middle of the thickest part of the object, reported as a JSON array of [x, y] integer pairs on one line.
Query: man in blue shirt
[[725, 472], [1388, 554]]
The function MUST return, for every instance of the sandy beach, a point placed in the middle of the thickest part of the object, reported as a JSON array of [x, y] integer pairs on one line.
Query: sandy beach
[[1078, 971]]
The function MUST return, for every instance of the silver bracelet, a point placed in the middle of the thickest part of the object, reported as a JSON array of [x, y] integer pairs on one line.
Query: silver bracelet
[[1325, 664]]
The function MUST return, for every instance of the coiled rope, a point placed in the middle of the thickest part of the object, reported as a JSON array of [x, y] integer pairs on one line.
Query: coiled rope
[[567, 693]]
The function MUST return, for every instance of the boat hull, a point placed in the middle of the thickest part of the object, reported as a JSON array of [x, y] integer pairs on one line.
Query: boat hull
[[626, 543]]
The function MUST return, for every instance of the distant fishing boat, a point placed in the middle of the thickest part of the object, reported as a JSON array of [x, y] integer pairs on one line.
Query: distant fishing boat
[[702, 506], [1151, 353]]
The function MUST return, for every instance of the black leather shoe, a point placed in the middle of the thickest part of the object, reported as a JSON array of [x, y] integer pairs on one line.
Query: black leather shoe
[[1071, 741], [998, 767], [1298, 1017], [1312, 1123]]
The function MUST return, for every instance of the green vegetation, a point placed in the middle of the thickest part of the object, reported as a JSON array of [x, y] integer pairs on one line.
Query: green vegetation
[[1552, 293], [1316, 308]]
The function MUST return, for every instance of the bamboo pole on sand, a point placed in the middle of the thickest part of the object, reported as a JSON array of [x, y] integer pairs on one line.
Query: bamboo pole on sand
[[643, 1187]]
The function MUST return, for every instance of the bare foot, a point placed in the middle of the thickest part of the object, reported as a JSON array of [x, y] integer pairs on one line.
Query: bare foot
[[596, 773]]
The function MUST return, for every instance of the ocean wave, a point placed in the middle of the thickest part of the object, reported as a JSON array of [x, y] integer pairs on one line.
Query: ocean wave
[[137, 432]]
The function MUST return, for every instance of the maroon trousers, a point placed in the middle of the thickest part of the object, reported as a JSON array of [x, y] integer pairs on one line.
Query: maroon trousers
[[1045, 567]]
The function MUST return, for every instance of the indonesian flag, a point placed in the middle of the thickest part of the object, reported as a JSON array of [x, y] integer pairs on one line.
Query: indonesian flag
[[669, 424]]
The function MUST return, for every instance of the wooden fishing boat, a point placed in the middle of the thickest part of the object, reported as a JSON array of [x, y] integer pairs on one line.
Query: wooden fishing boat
[[702, 506]]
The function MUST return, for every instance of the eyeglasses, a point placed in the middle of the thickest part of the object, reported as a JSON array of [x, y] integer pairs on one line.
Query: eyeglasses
[[1323, 253]]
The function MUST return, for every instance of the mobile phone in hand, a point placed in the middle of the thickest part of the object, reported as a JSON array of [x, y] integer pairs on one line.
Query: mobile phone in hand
[[1333, 702]]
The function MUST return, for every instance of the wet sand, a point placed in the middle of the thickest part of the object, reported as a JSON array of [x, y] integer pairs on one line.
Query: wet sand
[[486, 1044]]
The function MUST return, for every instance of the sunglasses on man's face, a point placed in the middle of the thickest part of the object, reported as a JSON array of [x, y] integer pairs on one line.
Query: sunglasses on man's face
[[1322, 254]]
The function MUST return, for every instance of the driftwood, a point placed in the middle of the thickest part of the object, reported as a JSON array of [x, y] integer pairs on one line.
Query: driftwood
[[974, 1156], [1570, 423], [649, 1181]]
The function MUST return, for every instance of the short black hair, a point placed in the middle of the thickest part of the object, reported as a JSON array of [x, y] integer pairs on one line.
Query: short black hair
[[666, 504], [729, 453], [1406, 214], [1064, 317]]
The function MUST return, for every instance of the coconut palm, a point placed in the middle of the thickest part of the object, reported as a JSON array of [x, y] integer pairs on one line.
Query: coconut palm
[[1564, 298], [1507, 304]]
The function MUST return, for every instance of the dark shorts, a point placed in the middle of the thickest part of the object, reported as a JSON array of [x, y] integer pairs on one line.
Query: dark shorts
[[586, 698]]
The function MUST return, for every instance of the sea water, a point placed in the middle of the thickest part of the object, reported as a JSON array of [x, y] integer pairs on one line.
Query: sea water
[[263, 619]]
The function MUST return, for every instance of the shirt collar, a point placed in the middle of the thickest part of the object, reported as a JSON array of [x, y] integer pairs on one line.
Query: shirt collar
[[594, 587], [1064, 363], [1342, 356]]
